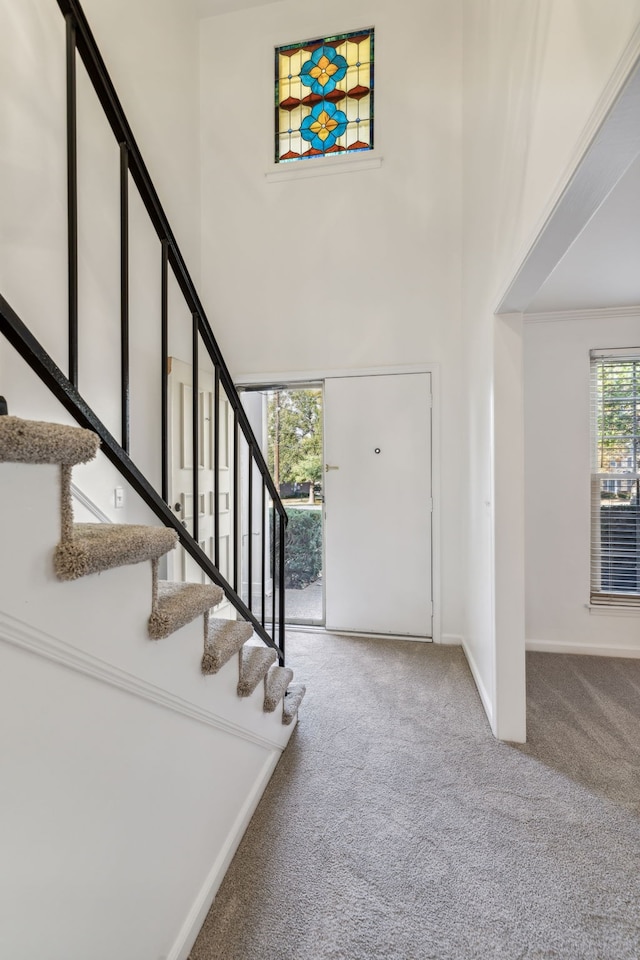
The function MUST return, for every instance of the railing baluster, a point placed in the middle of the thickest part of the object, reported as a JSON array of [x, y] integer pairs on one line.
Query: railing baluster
[[274, 579], [236, 500], [72, 201], [281, 587], [263, 536], [194, 425], [250, 533], [124, 295], [216, 466], [164, 382]]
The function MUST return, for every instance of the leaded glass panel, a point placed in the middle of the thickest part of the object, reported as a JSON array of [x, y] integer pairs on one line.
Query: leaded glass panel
[[324, 96]]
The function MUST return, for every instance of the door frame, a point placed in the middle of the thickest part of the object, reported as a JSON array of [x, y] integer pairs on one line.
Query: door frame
[[299, 377]]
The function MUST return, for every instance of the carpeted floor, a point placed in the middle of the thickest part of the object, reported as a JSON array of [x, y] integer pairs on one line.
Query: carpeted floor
[[396, 827]]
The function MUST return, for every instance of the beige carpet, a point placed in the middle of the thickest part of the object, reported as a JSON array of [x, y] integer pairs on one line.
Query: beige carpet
[[396, 827]]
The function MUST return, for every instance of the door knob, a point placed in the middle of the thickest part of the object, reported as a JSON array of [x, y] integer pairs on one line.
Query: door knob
[[328, 467]]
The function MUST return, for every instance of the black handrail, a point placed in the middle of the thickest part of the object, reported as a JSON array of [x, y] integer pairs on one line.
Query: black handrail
[[80, 41]]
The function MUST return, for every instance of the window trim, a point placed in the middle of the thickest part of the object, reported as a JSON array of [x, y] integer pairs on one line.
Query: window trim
[[323, 89], [322, 167], [601, 601]]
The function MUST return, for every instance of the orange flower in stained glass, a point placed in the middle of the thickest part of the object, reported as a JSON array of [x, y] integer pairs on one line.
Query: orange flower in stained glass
[[323, 126], [323, 70]]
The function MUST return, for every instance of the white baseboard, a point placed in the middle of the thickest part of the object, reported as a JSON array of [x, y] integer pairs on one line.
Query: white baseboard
[[451, 640], [197, 915], [582, 649], [482, 690]]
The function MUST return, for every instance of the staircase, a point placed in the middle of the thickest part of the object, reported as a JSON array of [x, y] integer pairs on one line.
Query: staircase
[[244, 509], [85, 549], [139, 728]]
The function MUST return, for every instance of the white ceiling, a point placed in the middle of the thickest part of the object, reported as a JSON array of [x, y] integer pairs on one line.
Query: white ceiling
[[602, 266]]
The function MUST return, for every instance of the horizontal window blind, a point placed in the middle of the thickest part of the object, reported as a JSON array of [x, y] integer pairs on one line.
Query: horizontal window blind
[[615, 478]]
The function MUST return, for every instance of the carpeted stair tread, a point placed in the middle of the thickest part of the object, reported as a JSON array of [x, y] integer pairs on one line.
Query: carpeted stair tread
[[292, 700], [179, 604], [35, 441], [94, 547], [254, 663], [224, 639], [275, 686]]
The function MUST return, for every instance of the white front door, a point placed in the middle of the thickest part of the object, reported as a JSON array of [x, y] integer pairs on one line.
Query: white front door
[[378, 504]]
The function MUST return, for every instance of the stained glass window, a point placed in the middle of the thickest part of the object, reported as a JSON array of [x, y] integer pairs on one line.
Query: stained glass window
[[324, 96]]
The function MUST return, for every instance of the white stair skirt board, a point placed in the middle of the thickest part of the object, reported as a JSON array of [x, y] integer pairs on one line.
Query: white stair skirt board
[[87, 503], [19, 634]]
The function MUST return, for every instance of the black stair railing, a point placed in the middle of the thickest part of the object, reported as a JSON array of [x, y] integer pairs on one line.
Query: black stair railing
[[267, 623]]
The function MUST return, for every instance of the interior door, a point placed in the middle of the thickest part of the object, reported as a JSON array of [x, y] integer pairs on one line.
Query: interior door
[[378, 504], [183, 567]]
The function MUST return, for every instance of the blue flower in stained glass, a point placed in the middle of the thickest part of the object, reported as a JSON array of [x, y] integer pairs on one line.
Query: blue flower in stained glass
[[323, 70], [323, 126]]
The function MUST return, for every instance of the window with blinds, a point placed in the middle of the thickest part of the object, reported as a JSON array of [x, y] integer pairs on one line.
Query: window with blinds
[[615, 478]]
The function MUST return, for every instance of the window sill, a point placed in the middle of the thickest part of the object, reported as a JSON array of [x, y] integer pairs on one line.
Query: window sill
[[603, 610], [320, 167]]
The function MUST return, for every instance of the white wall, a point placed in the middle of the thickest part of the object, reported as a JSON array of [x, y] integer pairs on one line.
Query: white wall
[[533, 72], [150, 49], [349, 271], [558, 463]]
